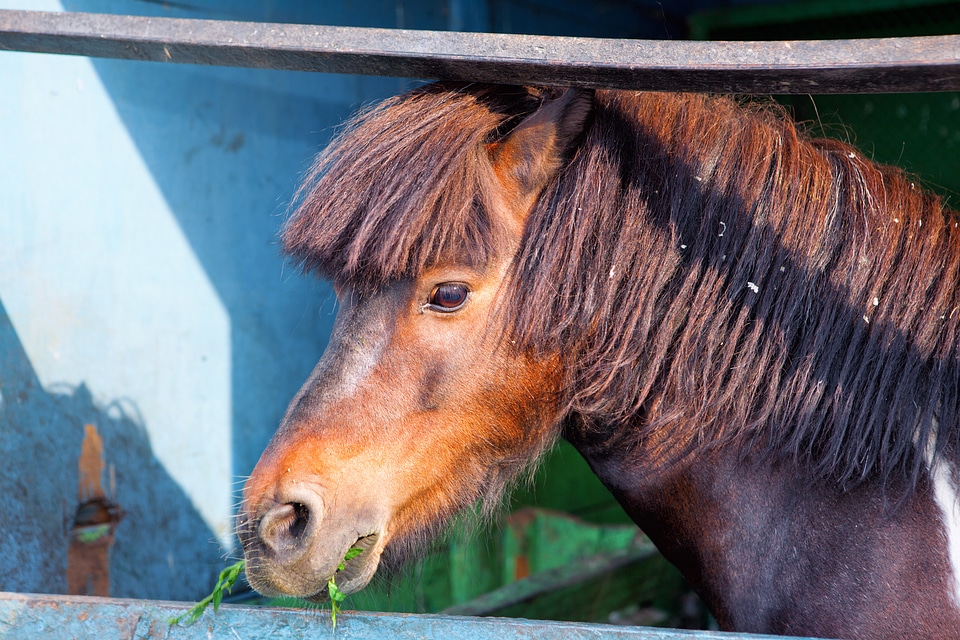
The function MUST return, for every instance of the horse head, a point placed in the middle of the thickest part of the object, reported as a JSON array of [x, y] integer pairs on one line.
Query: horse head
[[419, 407], [751, 337]]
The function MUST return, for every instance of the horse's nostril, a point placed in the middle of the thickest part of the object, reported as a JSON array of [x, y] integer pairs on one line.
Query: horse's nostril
[[282, 527], [301, 517]]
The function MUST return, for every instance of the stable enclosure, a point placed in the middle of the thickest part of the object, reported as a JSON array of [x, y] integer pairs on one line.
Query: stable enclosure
[[151, 335]]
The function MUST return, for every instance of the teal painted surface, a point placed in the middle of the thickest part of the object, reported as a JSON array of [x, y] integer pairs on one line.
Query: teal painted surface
[[23, 616]]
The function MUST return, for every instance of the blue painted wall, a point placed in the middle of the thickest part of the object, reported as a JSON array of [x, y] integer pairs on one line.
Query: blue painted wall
[[142, 292]]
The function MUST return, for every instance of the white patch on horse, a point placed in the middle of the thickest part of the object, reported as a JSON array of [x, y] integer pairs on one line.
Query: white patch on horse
[[945, 494], [943, 475]]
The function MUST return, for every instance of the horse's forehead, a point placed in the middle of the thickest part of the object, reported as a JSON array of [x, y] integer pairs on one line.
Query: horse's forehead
[[362, 333]]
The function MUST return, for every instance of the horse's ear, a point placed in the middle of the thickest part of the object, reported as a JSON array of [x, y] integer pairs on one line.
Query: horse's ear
[[530, 155]]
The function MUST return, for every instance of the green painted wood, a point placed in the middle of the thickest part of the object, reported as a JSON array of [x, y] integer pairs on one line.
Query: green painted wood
[[587, 589], [537, 539], [919, 132], [826, 19]]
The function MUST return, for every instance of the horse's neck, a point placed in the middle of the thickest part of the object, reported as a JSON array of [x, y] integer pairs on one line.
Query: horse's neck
[[771, 551]]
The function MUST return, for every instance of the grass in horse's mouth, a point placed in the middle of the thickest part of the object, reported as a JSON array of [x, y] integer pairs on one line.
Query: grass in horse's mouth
[[347, 567], [337, 596]]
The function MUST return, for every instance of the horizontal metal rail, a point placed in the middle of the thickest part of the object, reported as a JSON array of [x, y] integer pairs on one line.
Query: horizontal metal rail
[[883, 65], [30, 616]]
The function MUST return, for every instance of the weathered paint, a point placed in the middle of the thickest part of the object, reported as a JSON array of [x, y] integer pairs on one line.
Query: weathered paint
[[28, 616]]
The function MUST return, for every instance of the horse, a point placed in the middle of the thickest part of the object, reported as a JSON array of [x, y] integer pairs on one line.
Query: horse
[[751, 336]]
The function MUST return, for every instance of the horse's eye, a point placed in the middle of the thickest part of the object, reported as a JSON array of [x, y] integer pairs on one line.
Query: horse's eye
[[448, 296]]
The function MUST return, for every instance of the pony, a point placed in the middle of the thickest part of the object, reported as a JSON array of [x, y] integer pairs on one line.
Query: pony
[[750, 335]]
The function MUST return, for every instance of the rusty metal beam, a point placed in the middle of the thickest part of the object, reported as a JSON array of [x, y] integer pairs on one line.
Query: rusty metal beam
[[816, 67]]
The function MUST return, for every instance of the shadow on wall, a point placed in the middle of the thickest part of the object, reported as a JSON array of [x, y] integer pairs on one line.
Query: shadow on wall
[[42, 433], [226, 147]]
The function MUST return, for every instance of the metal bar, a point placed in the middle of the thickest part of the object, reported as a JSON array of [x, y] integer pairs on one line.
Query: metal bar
[[809, 66], [36, 616]]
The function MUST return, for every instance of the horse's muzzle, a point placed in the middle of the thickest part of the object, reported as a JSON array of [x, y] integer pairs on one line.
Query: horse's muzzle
[[291, 549]]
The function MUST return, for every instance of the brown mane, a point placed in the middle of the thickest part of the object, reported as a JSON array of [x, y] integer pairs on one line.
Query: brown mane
[[401, 188], [701, 266]]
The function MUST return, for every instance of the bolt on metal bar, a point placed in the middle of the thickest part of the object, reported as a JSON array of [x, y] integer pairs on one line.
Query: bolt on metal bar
[[930, 63]]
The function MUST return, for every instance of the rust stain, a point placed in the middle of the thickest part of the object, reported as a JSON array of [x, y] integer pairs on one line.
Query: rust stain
[[521, 567], [91, 465], [92, 534]]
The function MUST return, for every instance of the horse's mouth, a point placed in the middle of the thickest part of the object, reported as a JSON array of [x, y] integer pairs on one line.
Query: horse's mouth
[[356, 572]]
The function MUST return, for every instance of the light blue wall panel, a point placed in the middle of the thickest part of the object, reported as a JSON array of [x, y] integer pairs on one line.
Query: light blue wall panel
[[142, 290]]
